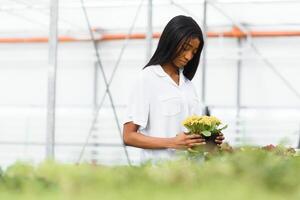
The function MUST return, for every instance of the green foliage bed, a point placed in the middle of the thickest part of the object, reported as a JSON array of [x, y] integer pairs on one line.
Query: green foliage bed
[[242, 175]]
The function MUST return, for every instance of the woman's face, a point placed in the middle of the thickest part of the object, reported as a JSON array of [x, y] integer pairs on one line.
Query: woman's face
[[189, 49]]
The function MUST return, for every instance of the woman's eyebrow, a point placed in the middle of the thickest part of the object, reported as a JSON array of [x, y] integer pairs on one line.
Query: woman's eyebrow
[[190, 45]]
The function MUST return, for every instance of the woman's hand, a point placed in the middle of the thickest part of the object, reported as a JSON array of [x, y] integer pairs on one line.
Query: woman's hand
[[184, 141], [219, 139]]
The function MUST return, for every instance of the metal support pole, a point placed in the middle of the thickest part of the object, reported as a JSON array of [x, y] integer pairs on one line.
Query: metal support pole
[[50, 138], [238, 82], [95, 131], [149, 33], [238, 88], [95, 87], [204, 29]]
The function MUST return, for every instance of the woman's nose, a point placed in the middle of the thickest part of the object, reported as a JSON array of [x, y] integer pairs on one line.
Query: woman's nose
[[189, 55]]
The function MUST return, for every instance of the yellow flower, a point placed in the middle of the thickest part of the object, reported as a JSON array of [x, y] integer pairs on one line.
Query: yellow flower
[[197, 123]]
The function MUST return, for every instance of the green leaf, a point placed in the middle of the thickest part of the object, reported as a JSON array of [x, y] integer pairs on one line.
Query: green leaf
[[223, 127], [192, 151], [206, 133], [212, 128]]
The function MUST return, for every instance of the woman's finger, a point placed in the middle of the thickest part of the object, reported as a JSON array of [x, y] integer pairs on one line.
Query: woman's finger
[[191, 141], [193, 136], [196, 144], [220, 138], [219, 141], [199, 140]]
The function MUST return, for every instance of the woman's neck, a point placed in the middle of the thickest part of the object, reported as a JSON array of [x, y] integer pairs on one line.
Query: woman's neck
[[170, 69]]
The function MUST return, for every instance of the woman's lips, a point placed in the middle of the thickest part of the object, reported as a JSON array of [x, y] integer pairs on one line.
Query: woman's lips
[[183, 62]]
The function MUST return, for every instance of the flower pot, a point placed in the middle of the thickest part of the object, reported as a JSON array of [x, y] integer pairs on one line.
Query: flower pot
[[211, 145]]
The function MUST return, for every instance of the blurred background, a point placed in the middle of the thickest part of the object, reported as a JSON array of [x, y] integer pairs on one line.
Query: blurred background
[[54, 72]]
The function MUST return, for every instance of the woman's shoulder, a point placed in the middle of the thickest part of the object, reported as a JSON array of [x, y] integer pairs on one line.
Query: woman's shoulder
[[143, 76], [149, 69], [146, 73]]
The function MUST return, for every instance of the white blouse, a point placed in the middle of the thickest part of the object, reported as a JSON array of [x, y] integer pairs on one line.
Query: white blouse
[[158, 105]]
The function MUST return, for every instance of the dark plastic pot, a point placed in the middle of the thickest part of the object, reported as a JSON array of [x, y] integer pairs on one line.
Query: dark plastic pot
[[211, 145]]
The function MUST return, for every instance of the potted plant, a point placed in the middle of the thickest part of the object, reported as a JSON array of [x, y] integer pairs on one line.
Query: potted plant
[[208, 127]]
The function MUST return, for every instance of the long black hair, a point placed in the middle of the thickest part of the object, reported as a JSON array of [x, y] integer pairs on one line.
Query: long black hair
[[178, 31]]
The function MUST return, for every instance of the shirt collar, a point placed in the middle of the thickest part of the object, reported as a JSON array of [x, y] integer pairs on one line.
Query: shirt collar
[[182, 78], [158, 70]]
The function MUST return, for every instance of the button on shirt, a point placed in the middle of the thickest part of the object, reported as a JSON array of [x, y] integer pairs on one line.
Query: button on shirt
[[158, 105]]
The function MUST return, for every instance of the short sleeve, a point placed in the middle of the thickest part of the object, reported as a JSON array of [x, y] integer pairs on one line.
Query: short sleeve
[[138, 104]]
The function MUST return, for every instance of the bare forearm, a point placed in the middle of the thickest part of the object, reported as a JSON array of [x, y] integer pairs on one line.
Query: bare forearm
[[134, 138], [140, 140]]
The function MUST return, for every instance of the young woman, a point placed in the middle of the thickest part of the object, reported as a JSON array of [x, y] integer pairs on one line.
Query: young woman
[[163, 94]]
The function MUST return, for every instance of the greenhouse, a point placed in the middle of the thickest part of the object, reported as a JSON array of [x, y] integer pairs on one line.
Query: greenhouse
[[67, 73]]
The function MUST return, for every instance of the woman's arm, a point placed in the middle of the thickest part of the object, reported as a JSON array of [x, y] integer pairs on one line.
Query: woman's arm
[[134, 138]]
